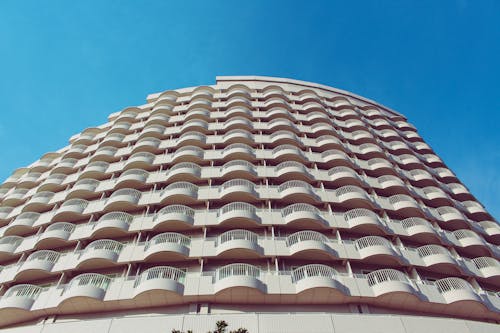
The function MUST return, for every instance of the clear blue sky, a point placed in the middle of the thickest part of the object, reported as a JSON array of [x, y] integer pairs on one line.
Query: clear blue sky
[[66, 65]]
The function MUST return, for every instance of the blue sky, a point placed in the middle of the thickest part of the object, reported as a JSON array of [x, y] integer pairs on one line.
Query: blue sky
[[66, 65]]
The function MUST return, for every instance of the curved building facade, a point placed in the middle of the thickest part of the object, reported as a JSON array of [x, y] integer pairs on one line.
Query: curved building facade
[[274, 204]]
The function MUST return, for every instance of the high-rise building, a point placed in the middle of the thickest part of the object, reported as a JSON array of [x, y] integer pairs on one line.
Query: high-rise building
[[274, 204]]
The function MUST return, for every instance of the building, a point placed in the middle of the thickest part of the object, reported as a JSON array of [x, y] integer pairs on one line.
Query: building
[[274, 204]]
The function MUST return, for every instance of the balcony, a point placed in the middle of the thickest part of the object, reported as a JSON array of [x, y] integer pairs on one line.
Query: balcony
[[84, 189], [436, 195], [174, 217], [405, 204], [409, 161], [343, 175], [351, 195], [238, 243], [362, 136], [389, 281], [180, 192], [420, 230], [324, 279], [238, 169], [160, 279], [459, 190], [5, 212], [312, 106], [21, 296], [15, 197], [238, 190], [39, 202], [309, 244], [140, 161], [70, 210], [282, 125], [328, 142], [92, 286], [197, 113], [105, 154], [371, 150], [53, 182], [135, 178], [456, 290], [302, 215], [288, 153], [389, 181], [9, 244], [116, 140], [234, 277], [492, 230], [22, 224], [160, 118], [29, 179], [468, 239], [290, 170], [100, 253], [380, 166], [148, 145], [239, 90], [153, 131], [238, 123], [76, 151], [297, 191], [452, 217], [95, 170], [239, 101], [185, 171], [56, 235], [239, 111], [476, 209], [489, 268], [238, 214], [364, 219], [192, 138], [127, 115], [377, 249], [120, 127], [167, 246], [439, 259], [422, 177], [283, 138], [123, 200], [112, 224], [188, 154], [336, 158], [238, 136], [38, 264], [238, 151]]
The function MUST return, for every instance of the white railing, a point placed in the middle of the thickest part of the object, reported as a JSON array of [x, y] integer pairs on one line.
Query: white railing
[[401, 198], [373, 161], [67, 163], [114, 216], [237, 270], [26, 218], [153, 142], [313, 270], [148, 157], [182, 186], [237, 234], [369, 147], [228, 149], [169, 237], [289, 134], [154, 128], [299, 207], [242, 163], [465, 233], [11, 240], [294, 184], [411, 222], [484, 262], [237, 182], [349, 189], [341, 169], [44, 255], [359, 212], [237, 206], [193, 167], [431, 249], [161, 272], [330, 152], [105, 244], [114, 137], [281, 148], [24, 290], [90, 279], [385, 275], [327, 138], [106, 151], [139, 173], [389, 178], [447, 210], [291, 164], [369, 241], [89, 183], [176, 209], [451, 284], [133, 194], [79, 204], [305, 235], [56, 177], [64, 226], [4, 211]]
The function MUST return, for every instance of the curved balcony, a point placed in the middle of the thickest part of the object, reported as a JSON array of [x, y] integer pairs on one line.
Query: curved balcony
[[95, 170], [336, 158], [100, 253], [405, 204], [56, 235], [454, 289], [422, 177], [370, 150], [408, 161], [197, 113], [399, 147], [238, 214], [290, 170], [436, 195], [9, 244], [239, 90], [343, 175], [378, 249], [105, 154], [282, 125], [362, 137], [45, 162], [22, 224], [238, 243], [238, 169], [354, 124], [238, 136], [186, 171], [54, 182], [167, 246], [167, 98], [283, 137], [353, 195], [148, 145], [438, 259], [200, 102], [192, 138], [452, 217], [432, 159], [188, 154], [174, 217], [308, 95], [288, 153], [238, 151], [303, 215], [389, 182], [459, 190], [389, 281], [84, 189], [380, 166], [320, 123], [297, 191], [420, 230], [159, 117], [476, 209], [180, 192], [120, 127], [5, 212], [160, 279], [127, 115], [361, 218], [445, 173], [238, 101], [21, 296], [195, 125], [309, 244], [114, 139], [142, 160], [134, 178], [87, 285], [39, 202], [273, 91], [316, 276], [238, 190], [340, 102], [15, 197], [29, 179], [388, 134], [491, 231], [76, 151], [238, 276], [37, 265], [489, 268], [468, 239], [153, 131], [329, 142], [112, 224], [381, 123], [123, 200], [312, 106]]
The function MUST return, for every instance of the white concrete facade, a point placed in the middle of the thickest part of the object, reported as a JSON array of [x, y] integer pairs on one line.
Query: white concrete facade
[[250, 199]]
